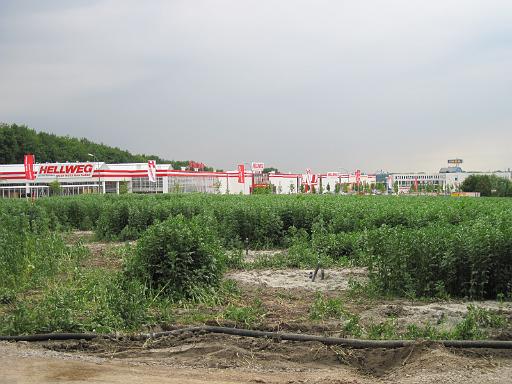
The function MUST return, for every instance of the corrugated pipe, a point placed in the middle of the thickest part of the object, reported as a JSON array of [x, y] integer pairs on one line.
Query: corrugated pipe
[[350, 343]]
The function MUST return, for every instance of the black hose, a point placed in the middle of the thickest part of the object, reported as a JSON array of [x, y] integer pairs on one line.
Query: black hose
[[52, 336], [350, 343]]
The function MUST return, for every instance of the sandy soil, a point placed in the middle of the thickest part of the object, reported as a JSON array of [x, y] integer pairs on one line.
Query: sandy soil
[[229, 359], [334, 279], [296, 283], [445, 315]]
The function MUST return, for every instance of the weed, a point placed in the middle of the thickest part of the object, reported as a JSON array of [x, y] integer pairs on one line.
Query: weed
[[246, 316], [326, 308], [352, 326], [386, 330]]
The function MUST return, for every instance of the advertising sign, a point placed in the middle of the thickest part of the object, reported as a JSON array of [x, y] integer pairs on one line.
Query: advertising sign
[[455, 161], [152, 170], [358, 176], [257, 167], [196, 166], [65, 170], [29, 167], [241, 173]]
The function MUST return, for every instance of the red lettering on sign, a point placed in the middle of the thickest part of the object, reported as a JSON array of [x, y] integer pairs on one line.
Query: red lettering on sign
[[67, 169], [71, 168]]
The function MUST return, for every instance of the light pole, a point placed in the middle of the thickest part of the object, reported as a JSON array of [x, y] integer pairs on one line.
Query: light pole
[[100, 186]]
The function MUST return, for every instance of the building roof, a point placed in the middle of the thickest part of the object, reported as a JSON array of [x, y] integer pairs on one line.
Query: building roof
[[451, 170]]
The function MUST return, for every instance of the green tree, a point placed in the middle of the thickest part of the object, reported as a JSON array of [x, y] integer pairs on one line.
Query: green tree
[[381, 187], [123, 187], [55, 188], [488, 185], [18, 140], [478, 183]]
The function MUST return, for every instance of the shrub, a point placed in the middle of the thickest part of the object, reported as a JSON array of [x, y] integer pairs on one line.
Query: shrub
[[178, 257]]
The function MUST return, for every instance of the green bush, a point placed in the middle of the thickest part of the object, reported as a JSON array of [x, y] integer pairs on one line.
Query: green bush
[[466, 260], [178, 257]]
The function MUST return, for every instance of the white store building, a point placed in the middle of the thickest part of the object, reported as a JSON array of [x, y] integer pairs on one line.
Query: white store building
[[99, 177], [448, 179]]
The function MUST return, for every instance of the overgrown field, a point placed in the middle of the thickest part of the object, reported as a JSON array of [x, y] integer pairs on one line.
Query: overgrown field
[[413, 247]]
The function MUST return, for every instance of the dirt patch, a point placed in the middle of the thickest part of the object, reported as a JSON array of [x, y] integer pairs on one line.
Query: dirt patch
[[102, 254], [226, 351], [192, 358], [334, 279], [74, 237]]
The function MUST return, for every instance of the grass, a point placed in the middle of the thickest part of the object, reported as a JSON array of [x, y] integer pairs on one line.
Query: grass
[[246, 316], [325, 308]]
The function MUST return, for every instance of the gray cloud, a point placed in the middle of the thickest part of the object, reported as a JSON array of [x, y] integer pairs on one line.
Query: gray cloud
[[398, 85]]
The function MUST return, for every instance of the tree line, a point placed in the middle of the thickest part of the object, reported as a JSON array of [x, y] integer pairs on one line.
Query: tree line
[[488, 185], [18, 140]]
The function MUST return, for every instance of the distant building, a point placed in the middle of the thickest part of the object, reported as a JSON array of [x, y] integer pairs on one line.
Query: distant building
[[447, 179]]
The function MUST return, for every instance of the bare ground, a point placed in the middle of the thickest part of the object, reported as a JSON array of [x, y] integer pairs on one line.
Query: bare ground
[[334, 280], [230, 359]]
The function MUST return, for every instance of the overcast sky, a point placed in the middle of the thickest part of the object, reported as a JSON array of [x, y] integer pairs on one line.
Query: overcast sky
[[399, 85]]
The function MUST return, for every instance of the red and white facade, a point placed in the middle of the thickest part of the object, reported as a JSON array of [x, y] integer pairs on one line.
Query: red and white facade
[[29, 179]]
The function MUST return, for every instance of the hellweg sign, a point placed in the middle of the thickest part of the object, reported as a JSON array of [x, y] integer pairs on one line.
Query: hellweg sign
[[65, 170]]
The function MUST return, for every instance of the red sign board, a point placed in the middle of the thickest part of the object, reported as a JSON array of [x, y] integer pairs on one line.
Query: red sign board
[[358, 176], [257, 167], [196, 166], [241, 173], [29, 167]]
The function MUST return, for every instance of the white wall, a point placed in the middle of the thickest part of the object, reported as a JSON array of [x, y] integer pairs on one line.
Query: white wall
[[283, 182]]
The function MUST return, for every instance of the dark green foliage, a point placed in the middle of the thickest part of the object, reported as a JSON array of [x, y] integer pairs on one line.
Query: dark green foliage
[[471, 259], [422, 246], [488, 185], [178, 257], [18, 140]]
